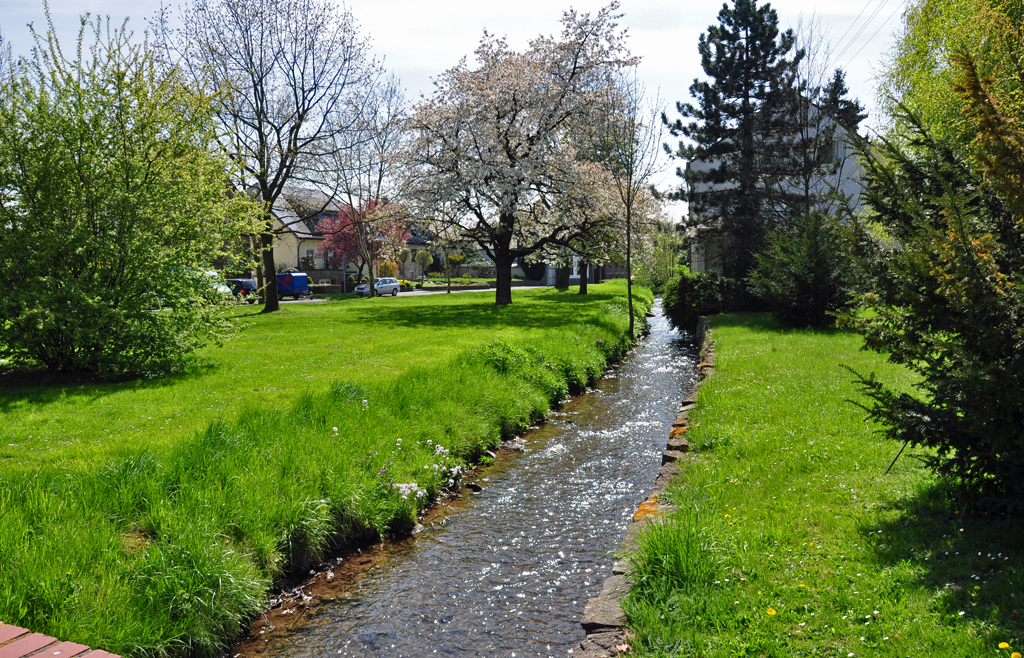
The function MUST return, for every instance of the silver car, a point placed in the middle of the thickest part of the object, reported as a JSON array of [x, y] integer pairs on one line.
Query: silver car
[[384, 286]]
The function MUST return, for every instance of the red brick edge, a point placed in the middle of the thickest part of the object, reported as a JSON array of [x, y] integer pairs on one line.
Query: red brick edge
[[16, 642]]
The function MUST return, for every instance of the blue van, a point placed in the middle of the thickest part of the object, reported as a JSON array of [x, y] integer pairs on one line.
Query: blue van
[[292, 284]]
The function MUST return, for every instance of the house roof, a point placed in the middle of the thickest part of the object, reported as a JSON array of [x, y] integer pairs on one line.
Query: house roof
[[304, 229]]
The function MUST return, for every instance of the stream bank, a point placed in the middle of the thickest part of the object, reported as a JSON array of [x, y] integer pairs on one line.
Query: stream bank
[[508, 570]]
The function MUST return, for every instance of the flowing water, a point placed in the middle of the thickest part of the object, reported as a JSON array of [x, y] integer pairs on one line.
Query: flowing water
[[509, 573]]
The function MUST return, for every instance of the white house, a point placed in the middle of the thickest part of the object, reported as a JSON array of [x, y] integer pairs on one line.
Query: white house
[[707, 252]]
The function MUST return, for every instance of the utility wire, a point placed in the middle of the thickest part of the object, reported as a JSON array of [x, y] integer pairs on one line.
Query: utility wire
[[886, 22], [850, 26], [863, 27]]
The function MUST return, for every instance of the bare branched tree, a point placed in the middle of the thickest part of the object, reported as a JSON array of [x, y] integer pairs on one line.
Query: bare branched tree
[[6, 60], [284, 68], [824, 124], [361, 161]]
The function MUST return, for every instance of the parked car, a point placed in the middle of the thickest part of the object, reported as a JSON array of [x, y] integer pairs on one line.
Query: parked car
[[384, 286], [244, 290], [214, 288]]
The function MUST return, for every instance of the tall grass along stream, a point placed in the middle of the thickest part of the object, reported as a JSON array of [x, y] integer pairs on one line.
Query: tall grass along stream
[[510, 573]]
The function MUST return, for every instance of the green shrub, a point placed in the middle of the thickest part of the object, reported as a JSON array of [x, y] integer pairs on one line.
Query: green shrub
[[689, 295], [804, 275], [109, 184]]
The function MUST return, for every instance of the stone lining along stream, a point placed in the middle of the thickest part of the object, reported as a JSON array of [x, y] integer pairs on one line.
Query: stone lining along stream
[[510, 572]]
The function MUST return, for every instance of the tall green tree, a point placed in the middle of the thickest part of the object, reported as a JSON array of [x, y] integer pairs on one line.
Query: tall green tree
[[734, 136], [113, 204], [947, 296], [918, 79]]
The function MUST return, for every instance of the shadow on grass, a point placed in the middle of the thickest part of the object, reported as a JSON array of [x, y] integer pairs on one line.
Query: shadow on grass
[[975, 561], [481, 312], [761, 322], [40, 387]]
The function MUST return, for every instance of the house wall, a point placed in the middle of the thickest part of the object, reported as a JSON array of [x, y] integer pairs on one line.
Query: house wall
[[289, 249], [707, 254]]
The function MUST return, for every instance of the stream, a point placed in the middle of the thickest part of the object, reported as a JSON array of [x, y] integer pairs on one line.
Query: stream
[[509, 572]]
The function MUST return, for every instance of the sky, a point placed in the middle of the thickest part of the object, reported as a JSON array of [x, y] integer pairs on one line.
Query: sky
[[419, 39]]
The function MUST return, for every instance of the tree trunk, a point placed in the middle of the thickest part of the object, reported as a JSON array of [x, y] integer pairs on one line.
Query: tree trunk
[[270, 302], [629, 269], [562, 277], [503, 272], [503, 260], [584, 275]]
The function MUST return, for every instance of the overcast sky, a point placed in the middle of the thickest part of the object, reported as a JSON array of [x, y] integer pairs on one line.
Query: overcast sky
[[421, 38]]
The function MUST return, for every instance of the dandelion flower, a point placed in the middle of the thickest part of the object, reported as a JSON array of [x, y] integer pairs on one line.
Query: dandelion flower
[[1004, 645], [1015, 654], [977, 587], [801, 585], [771, 611]]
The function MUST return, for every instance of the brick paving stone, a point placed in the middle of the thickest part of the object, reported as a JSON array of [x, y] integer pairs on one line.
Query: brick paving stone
[[9, 632], [26, 645]]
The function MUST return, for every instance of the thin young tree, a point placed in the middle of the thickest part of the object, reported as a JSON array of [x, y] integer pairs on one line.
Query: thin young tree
[[286, 66], [359, 167], [824, 123], [631, 143]]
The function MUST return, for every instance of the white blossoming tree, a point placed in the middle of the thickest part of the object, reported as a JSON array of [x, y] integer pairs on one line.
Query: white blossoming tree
[[504, 141]]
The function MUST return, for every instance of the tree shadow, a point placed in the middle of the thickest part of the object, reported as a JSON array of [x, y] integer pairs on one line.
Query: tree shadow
[[763, 322], [40, 387], [482, 313], [969, 559]]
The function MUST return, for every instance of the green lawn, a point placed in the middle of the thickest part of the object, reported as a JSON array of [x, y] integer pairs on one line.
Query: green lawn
[[151, 518], [271, 361], [790, 540]]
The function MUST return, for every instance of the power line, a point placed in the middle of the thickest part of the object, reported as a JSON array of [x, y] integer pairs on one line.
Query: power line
[[850, 26], [886, 22], [868, 22]]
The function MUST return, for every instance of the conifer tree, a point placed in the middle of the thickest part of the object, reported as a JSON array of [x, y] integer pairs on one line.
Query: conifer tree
[[735, 139]]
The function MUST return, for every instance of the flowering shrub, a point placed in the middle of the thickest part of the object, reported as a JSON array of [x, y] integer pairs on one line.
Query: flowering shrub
[[405, 489]]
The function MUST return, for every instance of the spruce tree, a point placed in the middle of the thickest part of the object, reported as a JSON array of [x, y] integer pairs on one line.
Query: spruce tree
[[737, 135]]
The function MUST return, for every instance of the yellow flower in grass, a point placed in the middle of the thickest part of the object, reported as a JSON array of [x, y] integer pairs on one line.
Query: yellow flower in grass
[[1004, 645], [771, 612], [1015, 654], [979, 587]]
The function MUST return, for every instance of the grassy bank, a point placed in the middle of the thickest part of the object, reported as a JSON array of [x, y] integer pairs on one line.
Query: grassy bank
[[72, 422], [790, 541], [165, 543]]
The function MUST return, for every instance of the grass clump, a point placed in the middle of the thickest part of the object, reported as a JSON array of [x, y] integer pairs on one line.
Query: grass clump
[[168, 548], [791, 541]]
